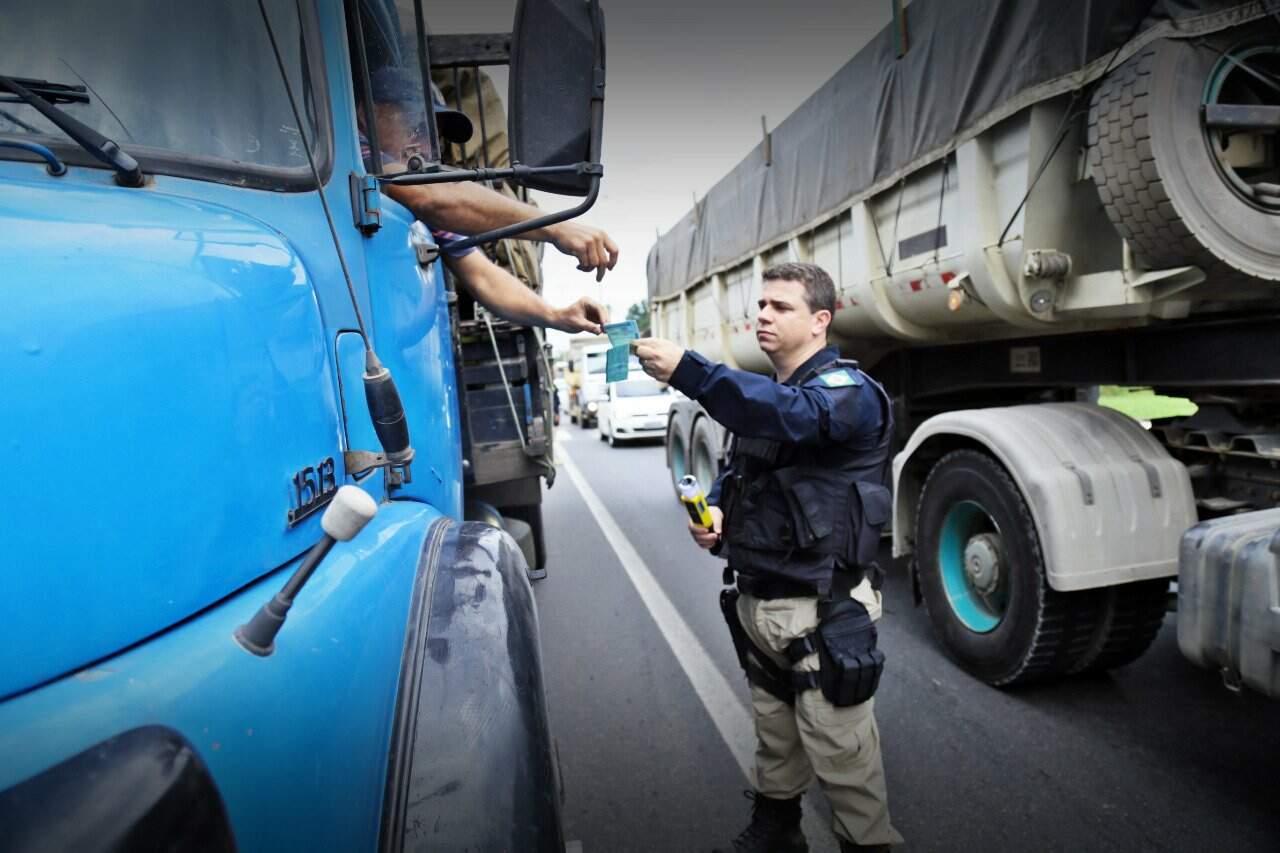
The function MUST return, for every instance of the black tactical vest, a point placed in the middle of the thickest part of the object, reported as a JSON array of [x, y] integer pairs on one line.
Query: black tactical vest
[[797, 514]]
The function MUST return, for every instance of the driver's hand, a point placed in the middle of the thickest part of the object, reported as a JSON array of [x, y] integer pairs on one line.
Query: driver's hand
[[585, 315], [593, 248]]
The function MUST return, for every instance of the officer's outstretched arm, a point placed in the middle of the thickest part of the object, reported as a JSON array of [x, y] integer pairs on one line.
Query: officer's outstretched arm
[[754, 406]]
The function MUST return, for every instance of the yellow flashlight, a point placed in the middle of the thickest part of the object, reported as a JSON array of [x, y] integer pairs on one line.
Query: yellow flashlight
[[695, 502]]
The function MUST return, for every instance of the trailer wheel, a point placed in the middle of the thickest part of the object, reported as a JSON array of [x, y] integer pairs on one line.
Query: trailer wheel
[[704, 460], [677, 454], [1129, 618], [982, 575], [1181, 186], [531, 514]]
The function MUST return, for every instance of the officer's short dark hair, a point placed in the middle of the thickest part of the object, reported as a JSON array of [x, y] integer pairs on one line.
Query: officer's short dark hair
[[819, 289]]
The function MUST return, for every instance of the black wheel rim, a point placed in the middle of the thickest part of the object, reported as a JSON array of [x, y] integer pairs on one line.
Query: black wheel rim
[[1240, 119]]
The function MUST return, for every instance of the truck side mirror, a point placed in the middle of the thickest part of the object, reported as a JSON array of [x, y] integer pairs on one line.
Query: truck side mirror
[[556, 97]]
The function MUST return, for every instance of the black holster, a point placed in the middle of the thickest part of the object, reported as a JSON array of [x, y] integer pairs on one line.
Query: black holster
[[849, 662], [760, 669]]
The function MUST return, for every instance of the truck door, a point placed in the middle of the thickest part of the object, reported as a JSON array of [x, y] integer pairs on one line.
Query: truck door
[[409, 301]]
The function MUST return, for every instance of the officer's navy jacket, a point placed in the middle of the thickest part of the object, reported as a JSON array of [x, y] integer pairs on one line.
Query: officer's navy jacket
[[804, 492], [753, 406]]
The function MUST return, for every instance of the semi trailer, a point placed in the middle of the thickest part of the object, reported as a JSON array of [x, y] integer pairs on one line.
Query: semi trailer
[[1019, 203]]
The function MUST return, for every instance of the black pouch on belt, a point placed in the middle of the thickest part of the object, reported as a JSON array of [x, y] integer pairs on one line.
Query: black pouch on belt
[[850, 663]]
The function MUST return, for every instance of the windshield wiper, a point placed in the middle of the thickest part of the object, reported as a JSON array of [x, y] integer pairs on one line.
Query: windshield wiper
[[54, 93], [40, 97]]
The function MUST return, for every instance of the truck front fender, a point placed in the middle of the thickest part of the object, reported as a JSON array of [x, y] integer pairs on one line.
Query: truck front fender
[[472, 761], [1109, 503]]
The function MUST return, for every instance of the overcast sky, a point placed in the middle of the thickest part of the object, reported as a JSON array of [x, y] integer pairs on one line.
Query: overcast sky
[[687, 84]]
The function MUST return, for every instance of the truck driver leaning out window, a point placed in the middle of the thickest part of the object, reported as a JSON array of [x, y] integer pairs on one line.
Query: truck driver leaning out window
[[797, 513], [473, 208]]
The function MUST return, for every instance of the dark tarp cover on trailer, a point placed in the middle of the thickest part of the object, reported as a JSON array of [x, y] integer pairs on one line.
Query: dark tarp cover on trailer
[[970, 64]]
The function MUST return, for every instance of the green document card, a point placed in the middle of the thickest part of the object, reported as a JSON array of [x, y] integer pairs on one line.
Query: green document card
[[616, 361]]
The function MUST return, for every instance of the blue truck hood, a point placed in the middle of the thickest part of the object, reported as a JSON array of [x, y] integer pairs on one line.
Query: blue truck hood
[[162, 377]]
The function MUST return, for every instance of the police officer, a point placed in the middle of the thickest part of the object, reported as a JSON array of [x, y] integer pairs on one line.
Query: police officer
[[797, 513]]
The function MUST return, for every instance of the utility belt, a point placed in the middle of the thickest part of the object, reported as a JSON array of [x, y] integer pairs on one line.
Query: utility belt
[[770, 588], [849, 664]]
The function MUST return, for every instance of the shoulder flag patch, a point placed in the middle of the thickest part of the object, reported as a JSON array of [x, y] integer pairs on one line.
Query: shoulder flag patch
[[839, 379]]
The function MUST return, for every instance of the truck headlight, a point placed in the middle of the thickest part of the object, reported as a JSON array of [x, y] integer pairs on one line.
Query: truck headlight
[[591, 407]]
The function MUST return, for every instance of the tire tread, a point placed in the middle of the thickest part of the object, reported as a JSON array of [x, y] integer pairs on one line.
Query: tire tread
[[1129, 620], [1129, 176]]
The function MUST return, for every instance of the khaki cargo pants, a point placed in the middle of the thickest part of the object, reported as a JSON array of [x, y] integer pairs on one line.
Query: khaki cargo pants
[[840, 745]]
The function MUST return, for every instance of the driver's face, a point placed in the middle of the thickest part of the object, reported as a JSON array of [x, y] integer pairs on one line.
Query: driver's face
[[395, 135]]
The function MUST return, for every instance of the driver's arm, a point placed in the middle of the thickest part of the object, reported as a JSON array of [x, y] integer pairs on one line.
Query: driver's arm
[[470, 208], [505, 295]]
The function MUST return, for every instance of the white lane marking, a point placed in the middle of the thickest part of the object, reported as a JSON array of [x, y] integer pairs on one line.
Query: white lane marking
[[731, 717]]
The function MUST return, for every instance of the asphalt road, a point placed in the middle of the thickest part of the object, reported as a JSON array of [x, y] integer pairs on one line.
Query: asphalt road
[[649, 709]]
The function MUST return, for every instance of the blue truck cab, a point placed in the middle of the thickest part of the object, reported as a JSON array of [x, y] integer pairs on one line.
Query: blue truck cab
[[185, 387]]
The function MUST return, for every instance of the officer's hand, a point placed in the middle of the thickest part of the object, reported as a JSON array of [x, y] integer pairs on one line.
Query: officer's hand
[[592, 247], [585, 315], [704, 537], [658, 357]]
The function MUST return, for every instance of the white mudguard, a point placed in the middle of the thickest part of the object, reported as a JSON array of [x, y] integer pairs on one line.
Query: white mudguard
[[1109, 503]]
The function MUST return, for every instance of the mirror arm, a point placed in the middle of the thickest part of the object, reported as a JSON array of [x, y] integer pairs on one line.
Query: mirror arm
[[594, 168], [519, 172], [531, 224]]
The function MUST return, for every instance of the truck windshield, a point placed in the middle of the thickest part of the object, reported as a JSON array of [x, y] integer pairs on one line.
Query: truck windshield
[[186, 88], [641, 388]]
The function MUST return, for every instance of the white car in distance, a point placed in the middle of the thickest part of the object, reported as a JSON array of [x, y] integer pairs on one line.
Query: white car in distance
[[636, 407]]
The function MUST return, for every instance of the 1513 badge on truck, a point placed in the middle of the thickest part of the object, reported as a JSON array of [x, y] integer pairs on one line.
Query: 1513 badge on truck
[[313, 488]]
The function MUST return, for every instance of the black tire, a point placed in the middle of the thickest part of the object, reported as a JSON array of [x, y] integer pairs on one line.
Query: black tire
[[1129, 618], [1040, 632], [1161, 184], [677, 453], [474, 510], [704, 456], [531, 514]]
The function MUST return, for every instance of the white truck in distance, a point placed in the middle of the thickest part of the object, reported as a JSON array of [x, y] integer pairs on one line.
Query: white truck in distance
[[584, 372], [1000, 251]]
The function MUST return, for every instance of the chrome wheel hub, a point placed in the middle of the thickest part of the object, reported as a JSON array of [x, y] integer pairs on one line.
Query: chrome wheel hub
[[983, 562]]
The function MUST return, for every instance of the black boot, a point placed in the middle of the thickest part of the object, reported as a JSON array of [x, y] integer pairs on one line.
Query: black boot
[[850, 847], [774, 827]]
